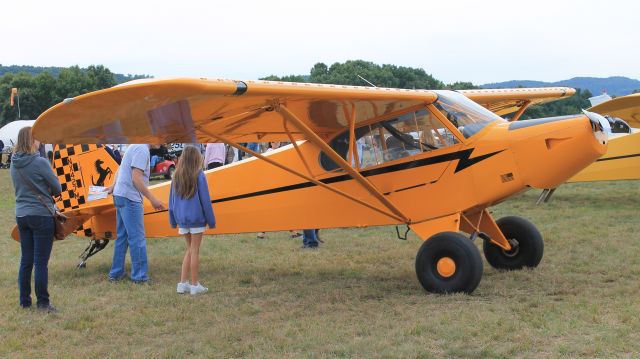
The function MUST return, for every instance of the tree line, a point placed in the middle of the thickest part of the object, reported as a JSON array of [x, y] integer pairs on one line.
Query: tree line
[[361, 73], [42, 87]]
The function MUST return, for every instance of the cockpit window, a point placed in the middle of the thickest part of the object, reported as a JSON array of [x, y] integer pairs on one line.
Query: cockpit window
[[468, 116], [402, 136]]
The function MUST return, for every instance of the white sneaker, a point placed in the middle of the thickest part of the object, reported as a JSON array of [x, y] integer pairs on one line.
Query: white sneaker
[[198, 289], [183, 288]]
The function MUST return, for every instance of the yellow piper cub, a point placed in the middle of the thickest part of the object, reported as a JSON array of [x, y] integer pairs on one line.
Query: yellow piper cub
[[432, 160]]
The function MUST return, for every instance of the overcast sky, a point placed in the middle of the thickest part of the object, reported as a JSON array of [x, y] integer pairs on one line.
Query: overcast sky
[[454, 40]]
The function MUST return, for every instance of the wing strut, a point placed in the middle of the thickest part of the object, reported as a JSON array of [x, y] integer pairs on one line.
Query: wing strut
[[315, 139], [353, 152], [315, 181], [295, 145], [521, 110]]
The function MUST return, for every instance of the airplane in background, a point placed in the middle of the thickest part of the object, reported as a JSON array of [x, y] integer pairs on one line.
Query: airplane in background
[[622, 160], [432, 160]]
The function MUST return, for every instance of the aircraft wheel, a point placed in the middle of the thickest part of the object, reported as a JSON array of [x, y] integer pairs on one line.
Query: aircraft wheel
[[449, 262], [525, 239]]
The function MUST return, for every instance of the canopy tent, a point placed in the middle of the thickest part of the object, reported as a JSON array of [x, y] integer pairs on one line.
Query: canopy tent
[[9, 132]]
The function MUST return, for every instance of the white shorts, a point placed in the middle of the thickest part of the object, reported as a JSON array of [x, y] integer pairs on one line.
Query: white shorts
[[195, 230]]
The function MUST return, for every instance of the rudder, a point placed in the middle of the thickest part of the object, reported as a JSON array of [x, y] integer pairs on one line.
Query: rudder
[[79, 167]]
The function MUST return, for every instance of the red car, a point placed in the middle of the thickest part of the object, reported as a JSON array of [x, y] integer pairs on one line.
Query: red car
[[165, 166]]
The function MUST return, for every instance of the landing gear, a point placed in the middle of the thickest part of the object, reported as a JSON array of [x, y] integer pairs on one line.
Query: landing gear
[[526, 242], [449, 262], [94, 247]]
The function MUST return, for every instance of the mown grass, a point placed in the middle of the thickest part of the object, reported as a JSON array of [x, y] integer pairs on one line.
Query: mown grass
[[355, 297]]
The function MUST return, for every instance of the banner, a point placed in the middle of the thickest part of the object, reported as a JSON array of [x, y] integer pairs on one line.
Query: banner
[[14, 92]]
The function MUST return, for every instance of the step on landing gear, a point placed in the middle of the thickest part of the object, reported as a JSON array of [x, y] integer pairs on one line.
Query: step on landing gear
[[94, 247]]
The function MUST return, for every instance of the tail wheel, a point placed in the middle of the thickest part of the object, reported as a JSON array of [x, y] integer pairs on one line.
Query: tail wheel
[[526, 242], [449, 262], [169, 174]]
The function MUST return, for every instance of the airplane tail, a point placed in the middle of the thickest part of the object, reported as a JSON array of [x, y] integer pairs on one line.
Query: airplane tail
[[79, 167]]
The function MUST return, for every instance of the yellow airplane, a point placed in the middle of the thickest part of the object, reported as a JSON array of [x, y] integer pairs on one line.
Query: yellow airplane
[[432, 160], [622, 160]]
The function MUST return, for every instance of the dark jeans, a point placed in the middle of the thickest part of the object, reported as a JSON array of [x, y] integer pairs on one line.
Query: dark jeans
[[309, 237], [36, 240], [213, 165]]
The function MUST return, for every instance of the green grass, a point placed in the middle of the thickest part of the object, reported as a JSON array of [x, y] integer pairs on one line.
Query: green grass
[[357, 296]]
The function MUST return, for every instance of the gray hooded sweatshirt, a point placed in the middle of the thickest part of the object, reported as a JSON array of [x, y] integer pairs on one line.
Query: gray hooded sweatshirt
[[45, 183]]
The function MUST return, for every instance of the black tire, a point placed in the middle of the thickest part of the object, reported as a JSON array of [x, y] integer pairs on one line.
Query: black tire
[[169, 174], [464, 254], [529, 245]]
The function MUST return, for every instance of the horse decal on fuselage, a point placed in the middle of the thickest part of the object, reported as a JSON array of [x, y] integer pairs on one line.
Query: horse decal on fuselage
[[104, 173]]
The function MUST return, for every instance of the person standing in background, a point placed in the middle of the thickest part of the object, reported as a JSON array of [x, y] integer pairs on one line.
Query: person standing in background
[[214, 155]]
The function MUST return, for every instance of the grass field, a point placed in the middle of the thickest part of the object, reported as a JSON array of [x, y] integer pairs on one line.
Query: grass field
[[357, 296]]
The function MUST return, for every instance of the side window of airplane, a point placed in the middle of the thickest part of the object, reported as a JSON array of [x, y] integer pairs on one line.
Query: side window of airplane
[[407, 135]]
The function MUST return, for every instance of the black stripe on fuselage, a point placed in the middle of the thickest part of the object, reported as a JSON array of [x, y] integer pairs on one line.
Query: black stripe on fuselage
[[462, 156], [618, 157]]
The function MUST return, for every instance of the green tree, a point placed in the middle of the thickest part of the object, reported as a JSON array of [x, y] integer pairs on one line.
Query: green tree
[[40, 91], [572, 105], [461, 86], [349, 73]]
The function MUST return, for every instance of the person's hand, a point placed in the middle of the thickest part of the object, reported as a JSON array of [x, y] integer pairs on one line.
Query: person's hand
[[157, 205], [109, 189]]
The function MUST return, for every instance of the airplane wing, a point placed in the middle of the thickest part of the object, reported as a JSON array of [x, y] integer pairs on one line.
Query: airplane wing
[[505, 101], [182, 110], [625, 107]]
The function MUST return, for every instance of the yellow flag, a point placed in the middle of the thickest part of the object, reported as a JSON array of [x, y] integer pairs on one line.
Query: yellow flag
[[14, 92]]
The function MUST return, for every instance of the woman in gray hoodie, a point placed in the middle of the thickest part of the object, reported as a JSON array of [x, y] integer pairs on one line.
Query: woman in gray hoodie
[[35, 184]]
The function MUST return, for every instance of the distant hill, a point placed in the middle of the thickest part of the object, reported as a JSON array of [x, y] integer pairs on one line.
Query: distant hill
[[55, 71], [614, 86]]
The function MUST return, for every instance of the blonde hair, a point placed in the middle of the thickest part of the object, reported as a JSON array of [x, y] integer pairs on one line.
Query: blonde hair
[[25, 141], [185, 179]]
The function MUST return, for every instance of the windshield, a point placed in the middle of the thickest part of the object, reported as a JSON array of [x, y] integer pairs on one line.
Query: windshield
[[466, 115]]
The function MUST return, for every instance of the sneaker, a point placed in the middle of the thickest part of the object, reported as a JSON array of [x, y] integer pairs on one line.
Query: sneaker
[[296, 235], [198, 289], [183, 288], [115, 279], [48, 309], [309, 247]]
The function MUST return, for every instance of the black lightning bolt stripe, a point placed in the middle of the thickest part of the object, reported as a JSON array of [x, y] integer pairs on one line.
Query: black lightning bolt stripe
[[463, 156]]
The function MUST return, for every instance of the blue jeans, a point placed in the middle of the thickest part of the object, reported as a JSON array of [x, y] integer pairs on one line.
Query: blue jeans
[[253, 146], [154, 161], [309, 238], [36, 240], [130, 228]]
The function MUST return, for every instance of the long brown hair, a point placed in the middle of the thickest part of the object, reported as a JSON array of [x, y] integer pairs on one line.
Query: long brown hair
[[185, 179], [25, 141]]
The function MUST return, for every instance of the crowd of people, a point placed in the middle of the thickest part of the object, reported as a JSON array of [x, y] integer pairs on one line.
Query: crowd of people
[[36, 185]]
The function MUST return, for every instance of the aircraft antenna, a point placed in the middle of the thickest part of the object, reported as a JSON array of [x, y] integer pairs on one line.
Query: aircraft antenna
[[365, 80]]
